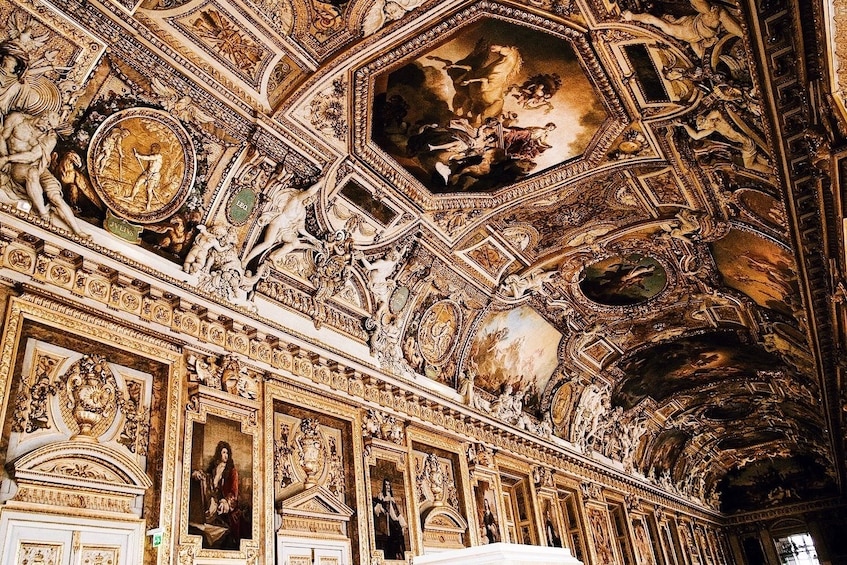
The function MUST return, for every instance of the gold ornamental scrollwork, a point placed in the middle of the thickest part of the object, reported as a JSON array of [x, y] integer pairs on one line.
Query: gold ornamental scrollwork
[[91, 394], [142, 164]]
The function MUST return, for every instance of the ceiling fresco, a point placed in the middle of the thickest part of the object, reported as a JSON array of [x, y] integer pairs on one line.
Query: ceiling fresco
[[623, 281], [513, 351], [768, 482], [581, 219], [495, 103], [668, 369], [758, 267]]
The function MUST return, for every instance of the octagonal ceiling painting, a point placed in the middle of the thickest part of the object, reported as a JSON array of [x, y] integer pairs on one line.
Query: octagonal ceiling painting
[[491, 105]]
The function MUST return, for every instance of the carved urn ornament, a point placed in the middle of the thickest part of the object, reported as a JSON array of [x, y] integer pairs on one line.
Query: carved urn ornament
[[92, 395], [311, 451], [433, 472]]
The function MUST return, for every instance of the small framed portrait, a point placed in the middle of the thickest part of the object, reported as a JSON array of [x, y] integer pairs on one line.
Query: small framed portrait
[[486, 509], [390, 510], [550, 521], [220, 501], [485, 499]]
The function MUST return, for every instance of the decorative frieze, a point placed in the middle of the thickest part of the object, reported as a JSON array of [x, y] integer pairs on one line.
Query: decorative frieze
[[198, 323]]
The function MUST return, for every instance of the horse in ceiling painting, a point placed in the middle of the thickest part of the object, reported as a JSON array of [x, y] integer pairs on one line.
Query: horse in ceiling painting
[[481, 80]]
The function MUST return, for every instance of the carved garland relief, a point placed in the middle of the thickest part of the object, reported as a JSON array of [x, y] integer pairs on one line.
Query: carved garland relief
[[82, 397]]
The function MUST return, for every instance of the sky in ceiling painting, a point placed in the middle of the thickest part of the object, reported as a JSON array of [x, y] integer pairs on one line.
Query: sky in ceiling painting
[[515, 349], [495, 103]]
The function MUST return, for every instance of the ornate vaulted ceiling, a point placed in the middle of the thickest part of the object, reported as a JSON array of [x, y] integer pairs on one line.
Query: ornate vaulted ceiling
[[594, 220]]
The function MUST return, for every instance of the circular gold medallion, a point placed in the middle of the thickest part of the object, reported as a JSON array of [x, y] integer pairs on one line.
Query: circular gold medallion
[[560, 407], [142, 164], [439, 331]]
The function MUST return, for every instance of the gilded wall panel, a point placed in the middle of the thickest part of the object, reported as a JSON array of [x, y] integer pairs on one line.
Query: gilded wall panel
[[78, 379], [441, 490], [314, 464]]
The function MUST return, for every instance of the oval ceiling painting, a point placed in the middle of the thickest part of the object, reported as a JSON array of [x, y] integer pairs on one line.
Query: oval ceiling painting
[[729, 410], [439, 331], [765, 208], [623, 280]]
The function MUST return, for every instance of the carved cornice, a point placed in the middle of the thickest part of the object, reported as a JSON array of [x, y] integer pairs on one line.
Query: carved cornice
[[808, 181], [789, 510], [286, 356]]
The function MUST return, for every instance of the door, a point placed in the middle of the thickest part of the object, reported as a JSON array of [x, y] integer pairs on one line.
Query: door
[[57, 540]]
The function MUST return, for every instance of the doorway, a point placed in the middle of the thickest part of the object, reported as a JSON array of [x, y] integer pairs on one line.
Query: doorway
[[797, 549]]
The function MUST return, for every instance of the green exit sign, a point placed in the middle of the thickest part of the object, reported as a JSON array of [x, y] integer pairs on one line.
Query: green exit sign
[[156, 535]]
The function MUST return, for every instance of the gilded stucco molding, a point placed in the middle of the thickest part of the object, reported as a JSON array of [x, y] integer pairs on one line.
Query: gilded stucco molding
[[280, 357], [135, 49], [315, 400], [789, 510], [838, 43], [109, 329]]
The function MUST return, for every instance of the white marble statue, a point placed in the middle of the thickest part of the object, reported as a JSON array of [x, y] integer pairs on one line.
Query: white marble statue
[[701, 30], [285, 219]]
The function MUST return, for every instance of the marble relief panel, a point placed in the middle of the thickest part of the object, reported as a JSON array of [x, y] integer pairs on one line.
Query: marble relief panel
[[641, 543], [39, 553], [601, 533]]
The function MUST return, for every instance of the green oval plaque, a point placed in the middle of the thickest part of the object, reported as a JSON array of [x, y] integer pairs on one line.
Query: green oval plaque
[[398, 299], [241, 206]]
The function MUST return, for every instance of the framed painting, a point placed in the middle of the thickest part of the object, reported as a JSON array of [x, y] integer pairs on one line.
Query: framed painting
[[487, 512], [551, 523], [389, 505], [220, 504], [221, 494]]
